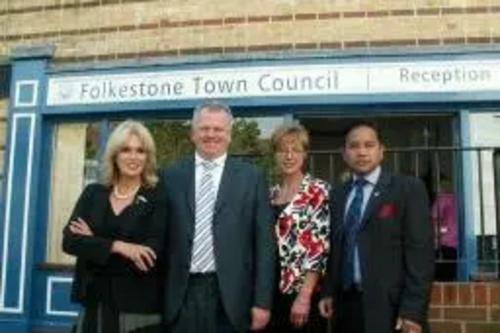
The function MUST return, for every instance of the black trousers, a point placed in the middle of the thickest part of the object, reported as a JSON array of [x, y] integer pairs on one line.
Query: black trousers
[[107, 319], [446, 264], [350, 312], [280, 318], [202, 310]]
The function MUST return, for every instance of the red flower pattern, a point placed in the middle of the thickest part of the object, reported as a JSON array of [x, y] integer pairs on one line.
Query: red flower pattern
[[303, 233], [285, 226]]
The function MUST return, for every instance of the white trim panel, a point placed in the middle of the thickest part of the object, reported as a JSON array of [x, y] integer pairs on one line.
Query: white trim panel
[[7, 220], [49, 310]]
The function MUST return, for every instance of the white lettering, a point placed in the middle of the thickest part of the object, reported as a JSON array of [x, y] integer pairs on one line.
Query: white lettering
[[443, 76], [302, 83], [345, 78], [110, 90], [203, 85]]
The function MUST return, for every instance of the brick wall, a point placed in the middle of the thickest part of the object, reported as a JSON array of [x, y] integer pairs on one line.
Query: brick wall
[[97, 30], [465, 308]]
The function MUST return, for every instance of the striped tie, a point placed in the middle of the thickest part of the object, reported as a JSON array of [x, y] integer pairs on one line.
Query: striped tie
[[203, 252], [351, 229]]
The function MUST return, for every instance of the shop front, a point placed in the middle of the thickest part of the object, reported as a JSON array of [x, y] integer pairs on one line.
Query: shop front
[[435, 110]]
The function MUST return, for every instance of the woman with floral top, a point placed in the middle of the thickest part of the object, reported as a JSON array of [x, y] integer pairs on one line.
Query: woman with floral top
[[302, 215], [116, 234]]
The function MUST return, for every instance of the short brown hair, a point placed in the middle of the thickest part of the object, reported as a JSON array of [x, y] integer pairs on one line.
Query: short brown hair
[[294, 132], [212, 106]]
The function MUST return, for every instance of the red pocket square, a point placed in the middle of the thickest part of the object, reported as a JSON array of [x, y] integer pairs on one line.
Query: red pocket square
[[387, 211]]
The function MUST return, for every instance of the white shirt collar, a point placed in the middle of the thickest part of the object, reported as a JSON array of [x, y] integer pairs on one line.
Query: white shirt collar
[[219, 161], [372, 177]]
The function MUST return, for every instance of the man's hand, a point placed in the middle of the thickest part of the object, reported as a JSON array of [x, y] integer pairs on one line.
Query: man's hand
[[260, 318], [407, 326], [326, 307]]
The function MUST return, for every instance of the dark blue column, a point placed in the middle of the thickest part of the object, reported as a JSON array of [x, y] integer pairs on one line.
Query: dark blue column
[[20, 186]]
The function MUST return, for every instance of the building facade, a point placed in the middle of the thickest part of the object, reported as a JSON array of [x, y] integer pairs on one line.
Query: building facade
[[427, 71]]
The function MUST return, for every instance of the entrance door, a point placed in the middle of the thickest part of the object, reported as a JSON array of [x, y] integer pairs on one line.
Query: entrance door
[[408, 140]]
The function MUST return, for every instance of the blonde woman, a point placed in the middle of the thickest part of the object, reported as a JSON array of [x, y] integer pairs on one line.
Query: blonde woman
[[116, 233], [302, 215]]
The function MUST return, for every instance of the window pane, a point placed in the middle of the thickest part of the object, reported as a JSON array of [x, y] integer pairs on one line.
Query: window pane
[[74, 164], [75, 161], [496, 243]]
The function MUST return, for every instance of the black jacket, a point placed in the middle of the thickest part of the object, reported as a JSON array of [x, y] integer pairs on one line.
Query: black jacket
[[104, 277], [396, 252]]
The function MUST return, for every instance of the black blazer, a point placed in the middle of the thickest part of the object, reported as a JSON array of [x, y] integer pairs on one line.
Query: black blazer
[[396, 252], [244, 243], [143, 223]]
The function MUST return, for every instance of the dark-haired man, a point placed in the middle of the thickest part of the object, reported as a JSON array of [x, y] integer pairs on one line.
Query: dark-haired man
[[381, 265]]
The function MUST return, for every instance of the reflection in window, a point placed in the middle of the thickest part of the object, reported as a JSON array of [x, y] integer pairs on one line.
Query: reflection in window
[[172, 140], [74, 165], [76, 162], [250, 139]]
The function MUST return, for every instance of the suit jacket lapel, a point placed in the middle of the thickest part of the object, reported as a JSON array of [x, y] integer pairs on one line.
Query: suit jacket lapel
[[227, 183], [346, 187], [376, 198], [339, 210], [190, 190], [339, 196]]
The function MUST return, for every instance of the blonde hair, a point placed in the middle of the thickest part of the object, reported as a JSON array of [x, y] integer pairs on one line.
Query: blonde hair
[[115, 143], [294, 133]]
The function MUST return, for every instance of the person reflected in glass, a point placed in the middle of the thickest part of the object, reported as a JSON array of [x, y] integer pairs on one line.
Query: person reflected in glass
[[300, 203], [116, 234], [444, 217]]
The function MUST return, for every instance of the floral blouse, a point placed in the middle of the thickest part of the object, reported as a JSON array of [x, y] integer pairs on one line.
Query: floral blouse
[[303, 230]]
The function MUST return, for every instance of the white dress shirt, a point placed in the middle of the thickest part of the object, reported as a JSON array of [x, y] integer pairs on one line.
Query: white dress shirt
[[216, 179], [216, 172], [372, 179]]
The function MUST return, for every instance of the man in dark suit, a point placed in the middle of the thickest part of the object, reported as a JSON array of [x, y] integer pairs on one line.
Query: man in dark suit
[[381, 265], [220, 245]]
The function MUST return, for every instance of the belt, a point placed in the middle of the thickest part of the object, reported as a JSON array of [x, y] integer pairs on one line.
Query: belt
[[197, 275], [353, 288]]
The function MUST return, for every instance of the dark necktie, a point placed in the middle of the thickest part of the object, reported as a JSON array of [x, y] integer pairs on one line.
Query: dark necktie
[[351, 228]]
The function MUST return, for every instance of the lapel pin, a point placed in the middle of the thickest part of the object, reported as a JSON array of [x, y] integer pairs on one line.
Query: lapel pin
[[376, 194]]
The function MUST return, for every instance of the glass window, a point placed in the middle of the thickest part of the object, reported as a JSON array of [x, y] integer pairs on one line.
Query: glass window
[[74, 164], [76, 160]]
